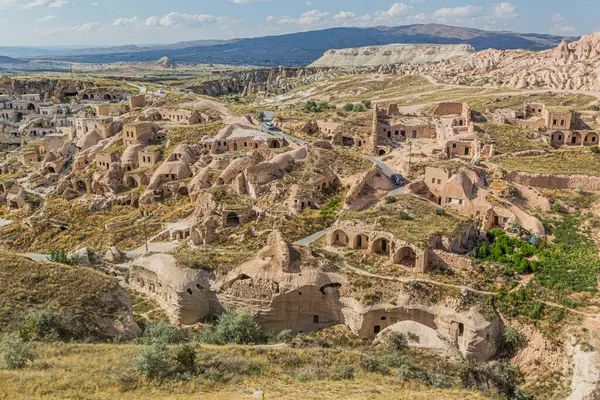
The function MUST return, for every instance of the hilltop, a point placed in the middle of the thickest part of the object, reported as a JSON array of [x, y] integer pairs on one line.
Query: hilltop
[[305, 47]]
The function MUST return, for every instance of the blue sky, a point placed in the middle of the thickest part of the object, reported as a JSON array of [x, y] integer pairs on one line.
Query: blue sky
[[118, 22]]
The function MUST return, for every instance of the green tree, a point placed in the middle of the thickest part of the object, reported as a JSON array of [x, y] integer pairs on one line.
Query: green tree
[[235, 327], [348, 107]]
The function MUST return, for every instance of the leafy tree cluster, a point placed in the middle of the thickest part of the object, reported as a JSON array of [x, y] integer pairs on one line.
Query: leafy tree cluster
[[358, 107], [312, 106]]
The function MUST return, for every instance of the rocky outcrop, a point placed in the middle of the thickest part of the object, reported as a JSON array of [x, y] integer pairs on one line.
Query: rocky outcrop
[[545, 181], [393, 54]]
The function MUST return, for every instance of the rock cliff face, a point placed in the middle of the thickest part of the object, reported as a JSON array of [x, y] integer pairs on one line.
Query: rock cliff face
[[266, 81], [393, 54], [571, 66]]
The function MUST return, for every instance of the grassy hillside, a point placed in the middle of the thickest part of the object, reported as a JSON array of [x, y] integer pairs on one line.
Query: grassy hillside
[[77, 293], [231, 372]]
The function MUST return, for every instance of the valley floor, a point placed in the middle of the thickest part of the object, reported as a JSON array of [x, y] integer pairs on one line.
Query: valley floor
[[87, 371]]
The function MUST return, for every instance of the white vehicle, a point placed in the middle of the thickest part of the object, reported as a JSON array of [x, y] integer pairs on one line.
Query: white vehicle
[[269, 125]]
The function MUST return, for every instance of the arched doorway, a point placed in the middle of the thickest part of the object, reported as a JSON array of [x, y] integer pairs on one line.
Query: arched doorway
[[107, 96], [232, 219], [130, 182], [50, 170], [361, 242], [81, 187], [275, 144], [381, 152], [183, 191], [381, 246], [30, 107], [85, 97], [340, 239], [406, 256]]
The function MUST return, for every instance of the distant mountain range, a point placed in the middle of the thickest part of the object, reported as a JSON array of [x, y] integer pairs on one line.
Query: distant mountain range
[[299, 49]]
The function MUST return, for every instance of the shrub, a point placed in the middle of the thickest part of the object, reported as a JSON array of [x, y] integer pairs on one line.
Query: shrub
[[284, 336], [513, 340], [185, 359], [366, 103], [595, 149], [346, 372], [161, 333], [44, 325], [373, 364], [483, 251], [348, 107], [235, 327], [594, 107], [390, 199], [404, 216], [154, 362], [358, 108], [397, 342], [16, 352], [440, 211], [259, 115], [62, 257]]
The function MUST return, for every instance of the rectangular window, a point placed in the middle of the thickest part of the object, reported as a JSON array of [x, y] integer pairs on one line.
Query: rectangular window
[[315, 319]]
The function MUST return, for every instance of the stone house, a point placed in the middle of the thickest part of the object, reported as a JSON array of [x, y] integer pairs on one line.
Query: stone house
[[149, 157], [110, 110], [137, 133], [183, 116], [236, 138], [104, 159], [184, 293], [137, 101]]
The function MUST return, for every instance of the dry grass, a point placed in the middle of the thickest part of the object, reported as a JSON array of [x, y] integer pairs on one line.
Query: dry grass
[[424, 223], [72, 291], [560, 162], [508, 138], [104, 371]]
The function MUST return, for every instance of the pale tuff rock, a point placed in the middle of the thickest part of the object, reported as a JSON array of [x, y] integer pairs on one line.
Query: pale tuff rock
[[393, 54]]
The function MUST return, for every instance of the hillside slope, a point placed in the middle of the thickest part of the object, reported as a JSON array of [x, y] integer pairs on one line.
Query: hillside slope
[[305, 47], [87, 297]]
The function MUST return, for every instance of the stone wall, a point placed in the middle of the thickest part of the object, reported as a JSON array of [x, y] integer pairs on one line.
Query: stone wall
[[545, 181]]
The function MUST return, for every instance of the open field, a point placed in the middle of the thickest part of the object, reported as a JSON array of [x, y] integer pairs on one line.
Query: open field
[[560, 162]]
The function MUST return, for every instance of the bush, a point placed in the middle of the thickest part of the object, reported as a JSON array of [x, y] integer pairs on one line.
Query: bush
[[185, 359], [595, 149], [397, 342], [312, 106], [594, 107], [390, 199], [259, 115], [235, 327], [483, 251], [16, 352], [373, 364], [62, 257], [366, 104], [512, 339], [45, 326], [154, 362], [358, 108], [346, 372], [440, 211], [348, 107], [284, 336], [161, 333], [404, 216]]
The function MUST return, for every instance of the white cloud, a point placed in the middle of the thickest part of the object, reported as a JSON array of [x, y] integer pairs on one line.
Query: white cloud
[[462, 12], [45, 19], [270, 18], [557, 17], [188, 20], [36, 3], [125, 21], [6, 4], [312, 17], [57, 3], [396, 10], [564, 28], [95, 4], [505, 10], [345, 15]]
